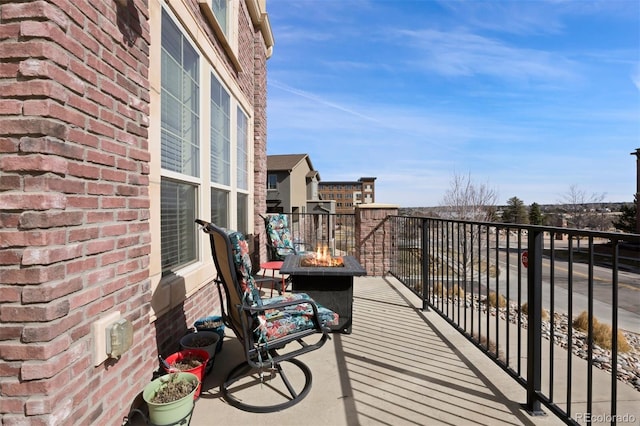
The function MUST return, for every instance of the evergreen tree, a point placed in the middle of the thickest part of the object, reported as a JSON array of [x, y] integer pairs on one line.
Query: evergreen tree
[[515, 212], [627, 221], [535, 215]]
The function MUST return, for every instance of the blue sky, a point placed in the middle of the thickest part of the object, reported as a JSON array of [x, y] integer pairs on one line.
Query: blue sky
[[527, 97]]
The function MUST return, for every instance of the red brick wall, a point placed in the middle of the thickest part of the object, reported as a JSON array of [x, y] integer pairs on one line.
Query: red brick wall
[[74, 207], [373, 234], [175, 324], [260, 142]]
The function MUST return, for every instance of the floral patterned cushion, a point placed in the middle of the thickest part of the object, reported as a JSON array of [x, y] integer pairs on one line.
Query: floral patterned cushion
[[242, 261], [273, 323], [278, 231], [280, 322]]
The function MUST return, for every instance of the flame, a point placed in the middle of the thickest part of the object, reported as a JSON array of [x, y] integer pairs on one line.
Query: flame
[[321, 257]]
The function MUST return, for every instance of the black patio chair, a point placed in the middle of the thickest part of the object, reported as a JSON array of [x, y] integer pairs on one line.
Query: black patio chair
[[265, 327], [279, 241]]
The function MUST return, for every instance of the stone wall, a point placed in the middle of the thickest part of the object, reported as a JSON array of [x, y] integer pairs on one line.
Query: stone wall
[[373, 235]]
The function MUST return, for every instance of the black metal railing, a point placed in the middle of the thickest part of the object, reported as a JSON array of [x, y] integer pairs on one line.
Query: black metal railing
[[334, 231], [515, 290]]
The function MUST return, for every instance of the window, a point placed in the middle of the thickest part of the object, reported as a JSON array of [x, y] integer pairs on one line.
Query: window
[[180, 149], [199, 164], [242, 169], [220, 207], [220, 10], [243, 213], [178, 203], [220, 134], [272, 181], [242, 153]]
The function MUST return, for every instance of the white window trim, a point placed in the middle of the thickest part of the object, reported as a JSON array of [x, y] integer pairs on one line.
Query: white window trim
[[172, 289], [230, 46]]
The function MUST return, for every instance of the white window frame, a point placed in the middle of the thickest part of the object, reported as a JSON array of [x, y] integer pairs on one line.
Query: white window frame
[[170, 289], [224, 25], [181, 177]]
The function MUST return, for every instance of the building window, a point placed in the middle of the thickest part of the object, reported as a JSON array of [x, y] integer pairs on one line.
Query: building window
[[180, 147], [242, 159], [243, 213], [220, 10], [220, 207], [272, 181], [242, 169], [220, 134], [178, 203], [187, 177]]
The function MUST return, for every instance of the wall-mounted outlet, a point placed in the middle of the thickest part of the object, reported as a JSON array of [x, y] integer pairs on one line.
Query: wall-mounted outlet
[[119, 338], [99, 333]]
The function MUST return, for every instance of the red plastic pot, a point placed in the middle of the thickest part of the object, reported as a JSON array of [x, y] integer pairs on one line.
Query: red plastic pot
[[201, 354]]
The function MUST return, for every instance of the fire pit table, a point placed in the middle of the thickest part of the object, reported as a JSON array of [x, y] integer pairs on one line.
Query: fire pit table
[[330, 286]]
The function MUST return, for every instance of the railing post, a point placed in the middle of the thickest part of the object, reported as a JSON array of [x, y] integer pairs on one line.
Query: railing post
[[534, 317], [425, 264]]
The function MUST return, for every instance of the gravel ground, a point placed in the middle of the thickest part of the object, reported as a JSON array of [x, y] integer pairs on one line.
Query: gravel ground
[[628, 366]]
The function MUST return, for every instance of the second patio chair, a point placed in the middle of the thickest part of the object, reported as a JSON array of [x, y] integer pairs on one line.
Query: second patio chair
[[279, 241], [265, 327]]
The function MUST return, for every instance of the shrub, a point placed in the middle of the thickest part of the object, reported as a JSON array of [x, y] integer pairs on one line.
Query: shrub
[[582, 322], [494, 271], [602, 333], [489, 345], [437, 289], [456, 291], [497, 300], [525, 308]]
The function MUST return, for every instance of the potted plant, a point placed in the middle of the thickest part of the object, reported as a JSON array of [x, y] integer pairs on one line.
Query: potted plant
[[189, 361], [207, 340], [212, 323], [170, 398]]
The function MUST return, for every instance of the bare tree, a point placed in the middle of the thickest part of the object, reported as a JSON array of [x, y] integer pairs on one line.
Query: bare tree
[[466, 200], [581, 208]]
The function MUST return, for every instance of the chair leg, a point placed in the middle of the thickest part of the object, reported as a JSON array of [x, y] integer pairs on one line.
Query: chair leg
[[244, 371]]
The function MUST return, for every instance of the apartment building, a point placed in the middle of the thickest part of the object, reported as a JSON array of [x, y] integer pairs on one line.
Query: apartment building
[[291, 183], [348, 194]]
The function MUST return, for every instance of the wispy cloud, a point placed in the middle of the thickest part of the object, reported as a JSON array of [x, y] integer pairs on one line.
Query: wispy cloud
[[515, 17], [461, 53], [318, 99]]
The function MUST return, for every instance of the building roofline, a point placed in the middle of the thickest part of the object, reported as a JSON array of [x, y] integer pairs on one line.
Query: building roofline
[[258, 12]]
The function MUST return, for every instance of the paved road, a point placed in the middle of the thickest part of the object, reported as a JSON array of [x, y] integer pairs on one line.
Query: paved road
[[628, 290]]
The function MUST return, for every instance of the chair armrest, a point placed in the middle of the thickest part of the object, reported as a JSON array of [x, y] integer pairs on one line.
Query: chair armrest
[[280, 305]]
